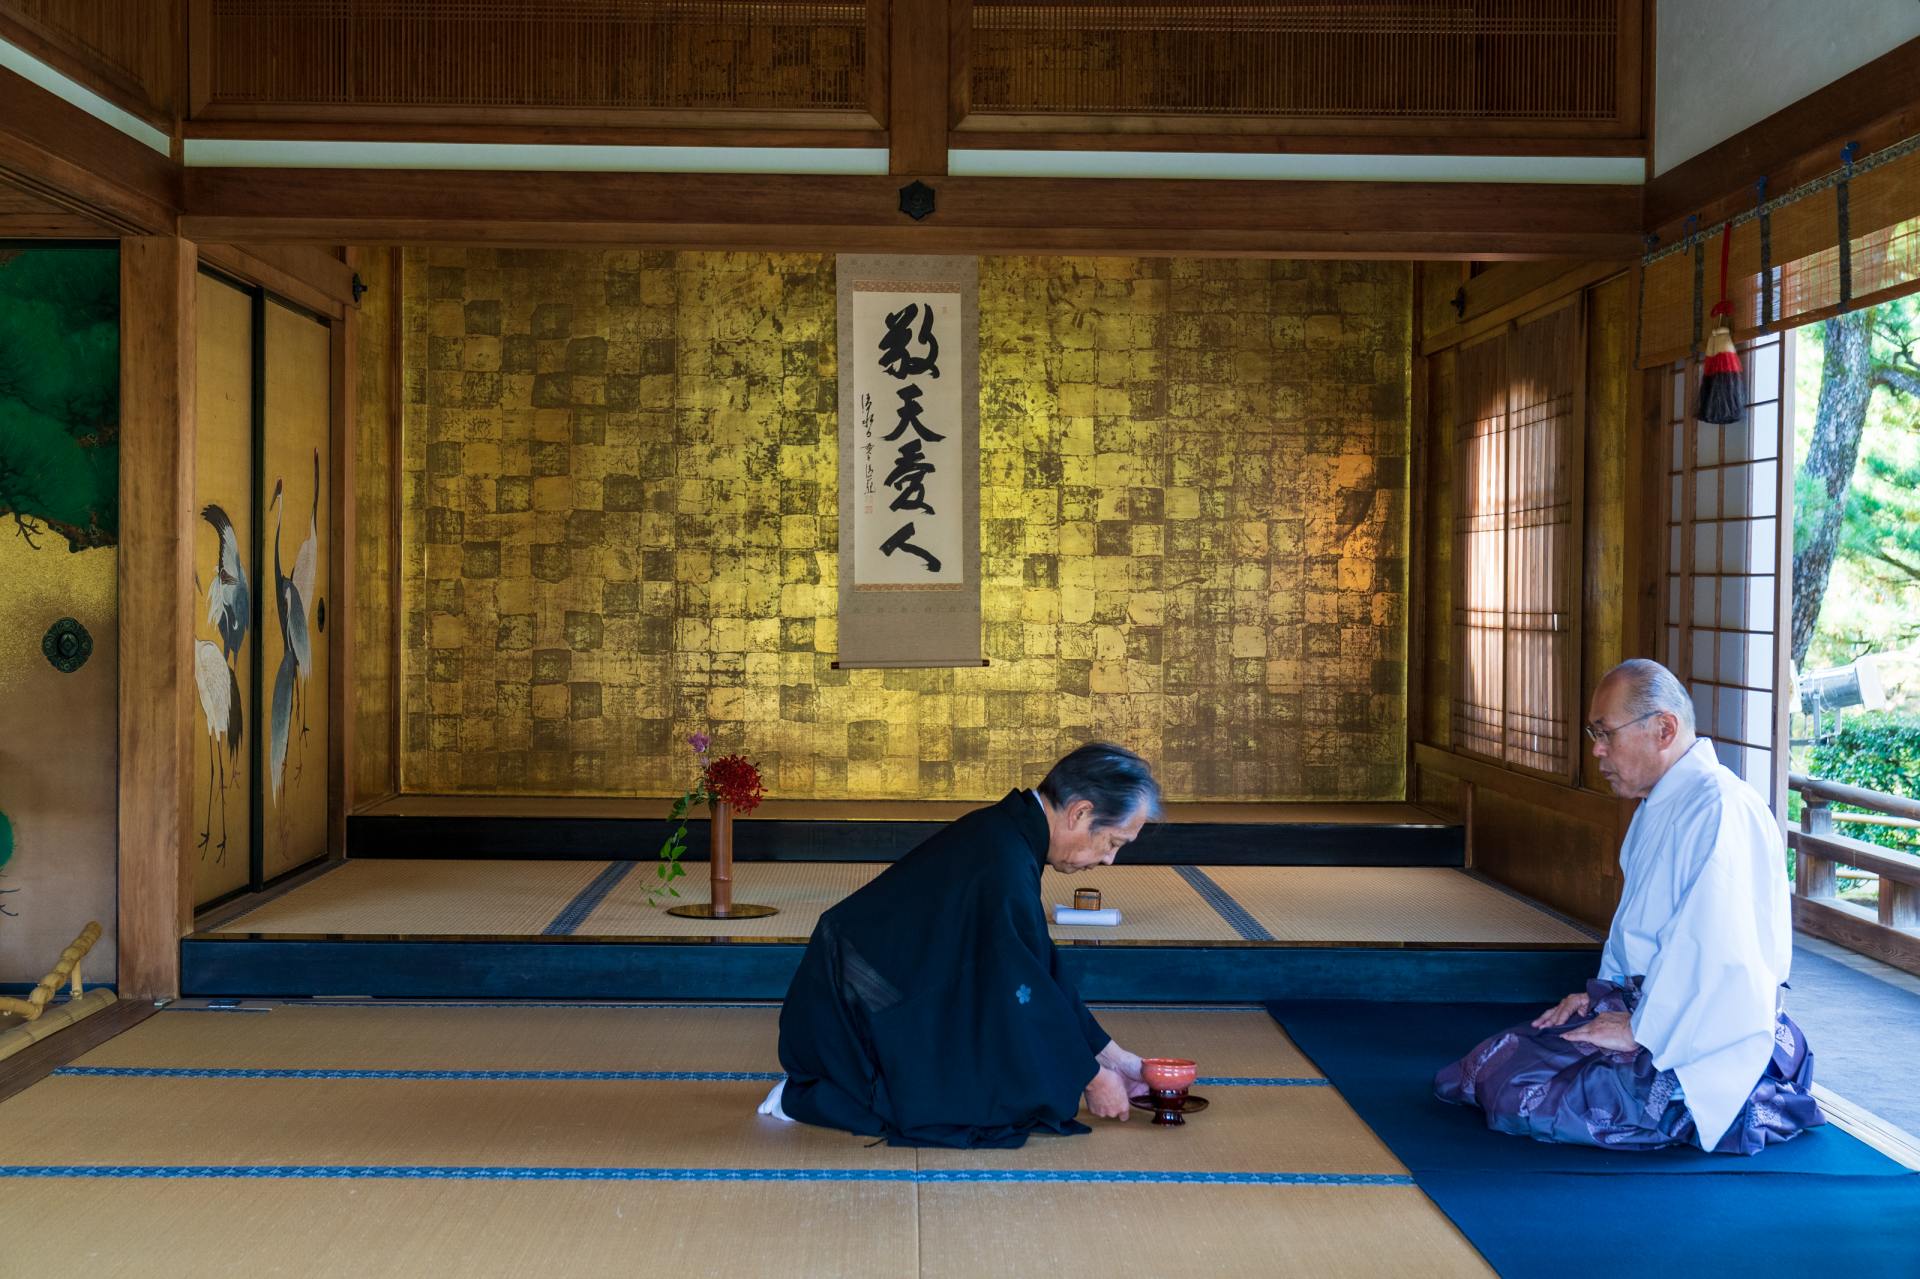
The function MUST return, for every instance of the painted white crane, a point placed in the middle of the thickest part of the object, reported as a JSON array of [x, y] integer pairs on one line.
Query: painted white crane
[[300, 632], [220, 704]]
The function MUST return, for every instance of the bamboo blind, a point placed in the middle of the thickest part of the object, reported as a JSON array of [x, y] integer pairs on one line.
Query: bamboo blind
[[1784, 262], [1729, 532], [1443, 59], [566, 54], [1515, 419]]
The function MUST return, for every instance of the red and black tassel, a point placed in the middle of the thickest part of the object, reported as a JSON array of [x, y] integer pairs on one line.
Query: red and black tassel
[[1723, 388]]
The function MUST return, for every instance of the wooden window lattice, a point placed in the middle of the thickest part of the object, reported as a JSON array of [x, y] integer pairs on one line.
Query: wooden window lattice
[[1517, 451]]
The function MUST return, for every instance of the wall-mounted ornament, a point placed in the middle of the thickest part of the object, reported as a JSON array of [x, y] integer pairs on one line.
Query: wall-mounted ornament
[[916, 199], [67, 645]]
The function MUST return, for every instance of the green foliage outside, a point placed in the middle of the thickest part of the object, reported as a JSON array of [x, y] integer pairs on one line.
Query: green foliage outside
[[1880, 752], [1872, 600], [60, 394], [1871, 604]]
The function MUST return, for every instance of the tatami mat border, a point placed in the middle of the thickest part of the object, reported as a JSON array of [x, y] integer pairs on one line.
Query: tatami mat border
[[630, 1076], [1223, 904], [588, 899], [1481, 877], [916, 1176]]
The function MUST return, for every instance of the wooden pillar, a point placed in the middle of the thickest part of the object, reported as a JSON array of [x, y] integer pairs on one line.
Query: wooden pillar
[[157, 374], [1813, 874], [918, 95], [340, 569]]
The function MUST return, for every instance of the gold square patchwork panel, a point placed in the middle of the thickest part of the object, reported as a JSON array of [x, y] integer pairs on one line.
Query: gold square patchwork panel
[[620, 528]]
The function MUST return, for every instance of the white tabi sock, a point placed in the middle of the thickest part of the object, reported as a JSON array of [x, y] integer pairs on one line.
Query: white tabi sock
[[771, 1106]]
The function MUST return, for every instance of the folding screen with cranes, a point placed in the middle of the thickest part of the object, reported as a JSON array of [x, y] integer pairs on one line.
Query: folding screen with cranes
[[225, 581], [291, 747], [261, 452]]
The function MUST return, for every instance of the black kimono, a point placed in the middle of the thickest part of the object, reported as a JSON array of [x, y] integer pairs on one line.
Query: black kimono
[[930, 1007]]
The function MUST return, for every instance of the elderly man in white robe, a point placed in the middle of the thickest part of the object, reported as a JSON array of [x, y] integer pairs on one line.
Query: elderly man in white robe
[[1682, 1038]]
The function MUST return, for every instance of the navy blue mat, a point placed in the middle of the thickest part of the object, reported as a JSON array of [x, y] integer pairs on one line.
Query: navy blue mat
[[1542, 1211], [1382, 1057], [1567, 1226]]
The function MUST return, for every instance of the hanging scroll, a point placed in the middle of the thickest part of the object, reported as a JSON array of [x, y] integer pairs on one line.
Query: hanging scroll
[[909, 461]]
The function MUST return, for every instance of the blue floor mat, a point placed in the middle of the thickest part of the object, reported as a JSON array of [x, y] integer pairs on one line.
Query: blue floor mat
[[1567, 1226], [1382, 1058], [1542, 1211]]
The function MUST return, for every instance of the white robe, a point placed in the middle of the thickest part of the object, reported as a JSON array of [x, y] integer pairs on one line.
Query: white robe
[[1705, 920]]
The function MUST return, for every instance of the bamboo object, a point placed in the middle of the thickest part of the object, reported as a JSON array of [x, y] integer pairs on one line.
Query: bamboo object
[[66, 970], [720, 859]]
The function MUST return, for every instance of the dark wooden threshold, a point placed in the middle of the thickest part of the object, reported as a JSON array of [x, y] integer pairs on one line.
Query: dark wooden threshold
[[32, 1064]]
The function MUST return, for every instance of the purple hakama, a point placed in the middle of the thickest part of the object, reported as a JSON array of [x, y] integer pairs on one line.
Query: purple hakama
[[1537, 1084]]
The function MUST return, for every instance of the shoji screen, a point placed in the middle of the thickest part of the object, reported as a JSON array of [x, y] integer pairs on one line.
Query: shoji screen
[[1729, 536]]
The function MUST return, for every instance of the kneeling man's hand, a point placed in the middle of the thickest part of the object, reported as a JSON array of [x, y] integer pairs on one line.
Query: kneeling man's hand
[[1611, 1031], [1563, 1012], [1107, 1095]]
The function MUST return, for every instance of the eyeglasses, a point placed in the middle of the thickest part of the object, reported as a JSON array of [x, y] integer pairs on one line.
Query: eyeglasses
[[1601, 736]]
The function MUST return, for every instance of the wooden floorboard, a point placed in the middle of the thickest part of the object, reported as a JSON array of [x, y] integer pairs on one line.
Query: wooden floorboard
[[30, 1065]]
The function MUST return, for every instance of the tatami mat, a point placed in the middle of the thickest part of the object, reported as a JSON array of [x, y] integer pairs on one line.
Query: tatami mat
[[1244, 1044], [1244, 1129], [372, 1036], [1155, 904], [1221, 1232], [1158, 904], [800, 890], [533, 1123], [379, 896], [1386, 904], [220, 1227], [445, 1176]]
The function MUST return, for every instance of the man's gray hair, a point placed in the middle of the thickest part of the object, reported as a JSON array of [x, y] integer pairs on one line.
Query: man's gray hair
[[1112, 778], [1652, 688]]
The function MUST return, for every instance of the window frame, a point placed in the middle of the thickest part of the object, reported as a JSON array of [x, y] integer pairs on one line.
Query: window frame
[[1570, 559]]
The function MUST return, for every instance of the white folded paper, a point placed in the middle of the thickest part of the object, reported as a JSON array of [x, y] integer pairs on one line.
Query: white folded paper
[[1068, 915]]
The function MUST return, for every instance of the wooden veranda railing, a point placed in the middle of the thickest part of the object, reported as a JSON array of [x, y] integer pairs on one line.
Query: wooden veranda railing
[[1891, 931]]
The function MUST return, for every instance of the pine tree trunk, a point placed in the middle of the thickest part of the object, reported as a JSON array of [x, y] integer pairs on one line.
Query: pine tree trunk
[[1846, 388]]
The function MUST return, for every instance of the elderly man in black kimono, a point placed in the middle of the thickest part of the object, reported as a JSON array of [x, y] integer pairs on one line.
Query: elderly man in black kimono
[[930, 1008]]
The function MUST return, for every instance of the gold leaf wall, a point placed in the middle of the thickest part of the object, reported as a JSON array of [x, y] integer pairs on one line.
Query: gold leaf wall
[[619, 527]]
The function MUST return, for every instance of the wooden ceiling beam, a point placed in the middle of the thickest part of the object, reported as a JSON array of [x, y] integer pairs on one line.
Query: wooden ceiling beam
[[974, 215], [62, 155]]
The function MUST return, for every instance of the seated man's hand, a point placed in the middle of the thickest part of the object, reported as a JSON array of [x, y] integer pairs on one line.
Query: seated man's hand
[[1107, 1095], [1611, 1031], [1127, 1066], [1563, 1012]]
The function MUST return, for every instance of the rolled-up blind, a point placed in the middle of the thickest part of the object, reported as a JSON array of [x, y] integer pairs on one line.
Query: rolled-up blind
[[1784, 258]]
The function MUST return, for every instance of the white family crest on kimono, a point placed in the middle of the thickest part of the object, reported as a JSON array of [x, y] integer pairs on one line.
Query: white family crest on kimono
[[1704, 919]]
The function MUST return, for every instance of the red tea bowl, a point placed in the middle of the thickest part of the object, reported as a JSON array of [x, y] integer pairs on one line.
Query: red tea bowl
[[1167, 1074]]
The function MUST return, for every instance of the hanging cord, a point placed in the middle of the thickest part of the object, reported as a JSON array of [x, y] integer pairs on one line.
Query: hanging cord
[[1766, 253], [1699, 279], [1846, 234], [1724, 307]]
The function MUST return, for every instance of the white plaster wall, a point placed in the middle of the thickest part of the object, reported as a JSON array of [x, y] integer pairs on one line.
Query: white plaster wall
[[1722, 65]]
